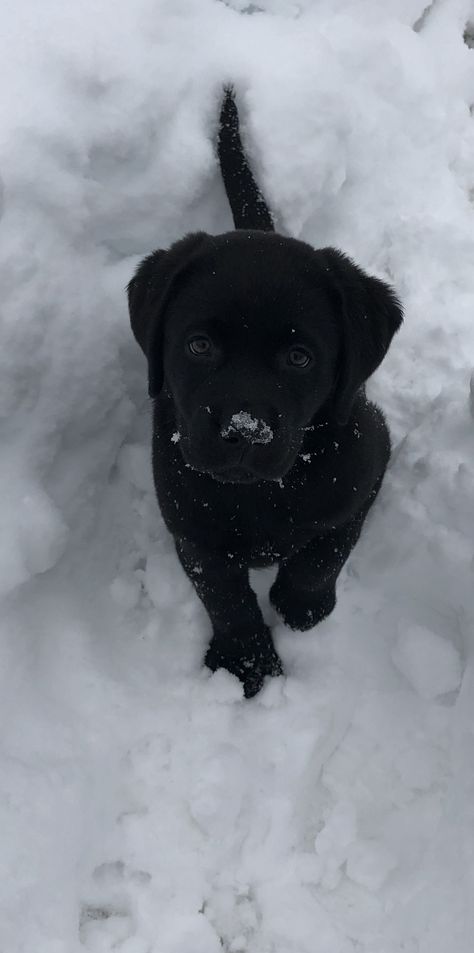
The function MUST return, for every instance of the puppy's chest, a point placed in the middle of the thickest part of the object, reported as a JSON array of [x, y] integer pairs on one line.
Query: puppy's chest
[[259, 530], [261, 539]]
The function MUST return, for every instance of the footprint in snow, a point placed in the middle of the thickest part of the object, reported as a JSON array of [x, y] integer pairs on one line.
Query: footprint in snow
[[106, 921]]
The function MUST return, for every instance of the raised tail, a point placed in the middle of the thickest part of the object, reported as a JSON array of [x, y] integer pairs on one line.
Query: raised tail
[[249, 209]]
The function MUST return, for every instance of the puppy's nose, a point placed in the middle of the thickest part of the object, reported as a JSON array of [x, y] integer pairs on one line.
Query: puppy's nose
[[243, 427], [231, 436]]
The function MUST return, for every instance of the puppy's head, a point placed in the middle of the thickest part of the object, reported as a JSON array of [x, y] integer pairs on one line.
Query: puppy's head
[[252, 334]]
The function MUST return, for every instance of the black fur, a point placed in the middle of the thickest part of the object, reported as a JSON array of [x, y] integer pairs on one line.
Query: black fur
[[256, 459], [249, 209]]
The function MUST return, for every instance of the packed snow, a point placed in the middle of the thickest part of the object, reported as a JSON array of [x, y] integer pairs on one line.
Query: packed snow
[[430, 663], [145, 806]]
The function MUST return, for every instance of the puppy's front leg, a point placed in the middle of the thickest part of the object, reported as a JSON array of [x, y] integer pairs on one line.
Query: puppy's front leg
[[241, 642], [304, 592]]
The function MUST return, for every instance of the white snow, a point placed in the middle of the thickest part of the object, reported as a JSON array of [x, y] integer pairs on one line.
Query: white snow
[[255, 430], [430, 663], [369, 863], [145, 807]]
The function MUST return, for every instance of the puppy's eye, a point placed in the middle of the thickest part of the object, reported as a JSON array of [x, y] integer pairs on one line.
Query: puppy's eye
[[200, 346], [299, 357]]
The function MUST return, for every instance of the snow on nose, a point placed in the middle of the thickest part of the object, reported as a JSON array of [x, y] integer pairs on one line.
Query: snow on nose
[[248, 428]]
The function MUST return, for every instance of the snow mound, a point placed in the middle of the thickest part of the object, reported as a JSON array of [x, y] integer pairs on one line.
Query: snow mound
[[369, 863], [430, 663], [32, 532]]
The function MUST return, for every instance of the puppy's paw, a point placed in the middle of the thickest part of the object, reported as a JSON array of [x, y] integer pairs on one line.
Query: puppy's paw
[[251, 660], [302, 611]]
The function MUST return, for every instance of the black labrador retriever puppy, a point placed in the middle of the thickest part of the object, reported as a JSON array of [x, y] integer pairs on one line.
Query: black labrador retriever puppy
[[265, 447]]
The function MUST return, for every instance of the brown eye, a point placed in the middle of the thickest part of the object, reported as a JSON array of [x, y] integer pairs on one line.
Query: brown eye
[[298, 357], [199, 346]]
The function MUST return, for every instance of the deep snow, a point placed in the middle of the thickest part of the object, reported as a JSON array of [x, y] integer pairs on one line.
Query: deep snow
[[144, 806]]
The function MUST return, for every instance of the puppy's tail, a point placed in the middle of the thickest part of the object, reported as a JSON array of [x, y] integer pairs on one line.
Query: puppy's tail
[[249, 209]]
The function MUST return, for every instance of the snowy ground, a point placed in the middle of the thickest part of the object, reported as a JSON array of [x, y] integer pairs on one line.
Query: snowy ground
[[144, 806]]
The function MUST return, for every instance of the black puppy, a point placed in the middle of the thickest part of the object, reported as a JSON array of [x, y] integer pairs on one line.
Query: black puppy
[[265, 448]]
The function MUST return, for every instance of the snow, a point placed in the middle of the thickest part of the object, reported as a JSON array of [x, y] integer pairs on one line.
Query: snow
[[145, 807], [253, 429], [369, 863], [430, 663]]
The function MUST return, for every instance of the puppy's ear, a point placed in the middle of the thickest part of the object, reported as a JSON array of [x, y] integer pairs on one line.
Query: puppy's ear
[[149, 292], [140, 294], [371, 314]]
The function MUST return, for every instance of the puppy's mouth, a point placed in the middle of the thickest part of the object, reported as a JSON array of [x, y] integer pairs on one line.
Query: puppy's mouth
[[235, 475], [246, 466]]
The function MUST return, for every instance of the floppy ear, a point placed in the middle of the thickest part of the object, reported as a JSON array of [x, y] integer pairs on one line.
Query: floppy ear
[[149, 292], [371, 314], [141, 291]]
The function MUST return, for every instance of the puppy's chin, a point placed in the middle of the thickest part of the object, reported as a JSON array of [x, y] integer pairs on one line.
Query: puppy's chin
[[242, 473]]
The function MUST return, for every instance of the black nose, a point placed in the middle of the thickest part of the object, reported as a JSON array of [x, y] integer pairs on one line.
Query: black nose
[[231, 436]]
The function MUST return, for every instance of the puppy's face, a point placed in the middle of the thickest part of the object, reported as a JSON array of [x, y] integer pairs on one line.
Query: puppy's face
[[249, 357], [251, 334]]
